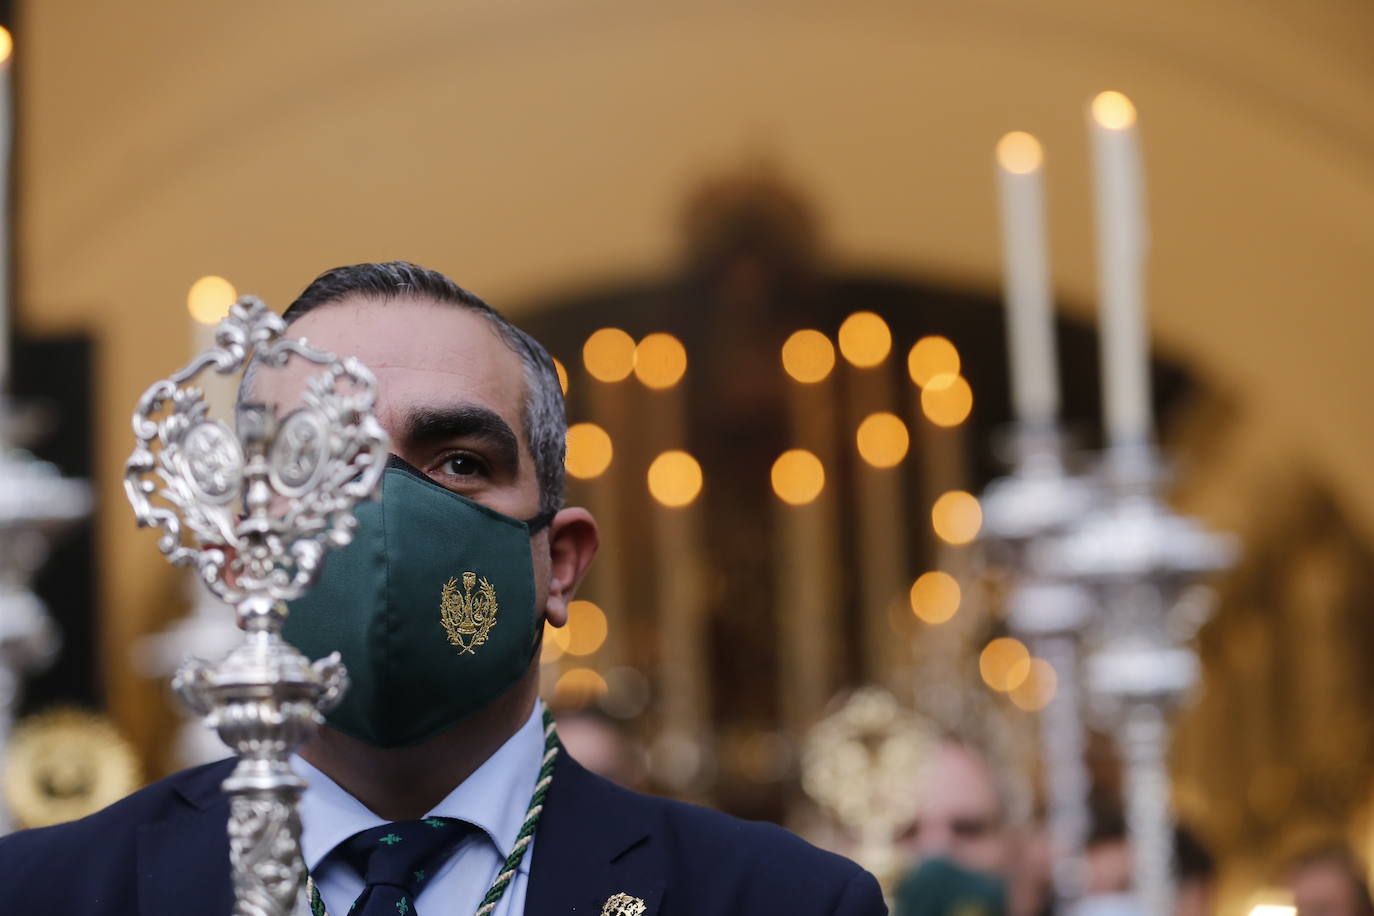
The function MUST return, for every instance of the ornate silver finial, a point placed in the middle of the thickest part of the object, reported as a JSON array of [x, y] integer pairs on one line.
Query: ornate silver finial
[[254, 511]]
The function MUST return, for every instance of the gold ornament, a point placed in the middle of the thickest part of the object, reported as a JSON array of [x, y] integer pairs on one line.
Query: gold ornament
[[862, 764], [66, 763], [623, 905], [466, 614]]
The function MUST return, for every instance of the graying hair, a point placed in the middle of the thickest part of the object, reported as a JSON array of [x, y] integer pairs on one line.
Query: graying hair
[[545, 419]]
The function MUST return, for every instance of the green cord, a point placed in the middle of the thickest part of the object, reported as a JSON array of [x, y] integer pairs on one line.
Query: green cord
[[526, 834]]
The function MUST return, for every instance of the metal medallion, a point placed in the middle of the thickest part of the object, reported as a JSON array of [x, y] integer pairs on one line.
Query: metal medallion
[[212, 462], [300, 452]]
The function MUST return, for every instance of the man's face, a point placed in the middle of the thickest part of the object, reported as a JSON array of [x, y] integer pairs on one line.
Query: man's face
[[960, 816], [450, 394], [1326, 888]]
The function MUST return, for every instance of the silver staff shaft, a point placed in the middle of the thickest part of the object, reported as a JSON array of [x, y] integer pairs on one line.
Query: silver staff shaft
[[264, 699]]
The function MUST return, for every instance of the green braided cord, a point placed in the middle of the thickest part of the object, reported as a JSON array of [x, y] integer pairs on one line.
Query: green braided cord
[[522, 839], [526, 834], [316, 901]]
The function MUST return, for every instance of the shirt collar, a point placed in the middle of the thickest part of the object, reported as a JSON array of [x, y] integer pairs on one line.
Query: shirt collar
[[495, 798]]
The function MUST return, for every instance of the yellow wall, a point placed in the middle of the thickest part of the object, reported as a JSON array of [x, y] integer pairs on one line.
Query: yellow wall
[[528, 146]]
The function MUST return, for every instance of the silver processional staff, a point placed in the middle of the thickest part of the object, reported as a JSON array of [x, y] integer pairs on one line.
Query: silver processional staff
[[254, 509]]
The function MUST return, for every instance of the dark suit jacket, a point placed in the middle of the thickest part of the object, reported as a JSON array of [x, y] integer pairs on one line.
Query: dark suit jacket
[[164, 850]]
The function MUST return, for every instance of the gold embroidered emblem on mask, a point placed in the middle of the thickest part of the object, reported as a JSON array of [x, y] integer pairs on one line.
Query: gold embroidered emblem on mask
[[467, 616]]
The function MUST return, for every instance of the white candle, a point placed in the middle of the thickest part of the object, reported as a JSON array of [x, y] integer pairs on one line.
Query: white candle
[[684, 661], [6, 144], [1030, 317], [1121, 245], [806, 593], [208, 302]]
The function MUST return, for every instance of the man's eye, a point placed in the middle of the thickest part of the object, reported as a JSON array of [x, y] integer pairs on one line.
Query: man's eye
[[462, 466], [971, 829]]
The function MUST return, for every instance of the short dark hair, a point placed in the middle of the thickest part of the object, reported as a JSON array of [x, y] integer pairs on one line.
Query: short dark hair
[[545, 421]]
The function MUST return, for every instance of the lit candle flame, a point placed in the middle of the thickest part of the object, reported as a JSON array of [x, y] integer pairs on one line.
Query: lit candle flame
[[1020, 153], [1113, 110], [210, 299]]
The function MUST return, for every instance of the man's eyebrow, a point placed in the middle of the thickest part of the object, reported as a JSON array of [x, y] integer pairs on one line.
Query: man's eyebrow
[[463, 421]]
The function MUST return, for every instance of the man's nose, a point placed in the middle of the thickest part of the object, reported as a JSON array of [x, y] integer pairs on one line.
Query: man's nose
[[935, 840]]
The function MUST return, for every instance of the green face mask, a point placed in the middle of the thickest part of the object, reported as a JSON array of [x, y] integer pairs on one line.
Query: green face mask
[[432, 606]]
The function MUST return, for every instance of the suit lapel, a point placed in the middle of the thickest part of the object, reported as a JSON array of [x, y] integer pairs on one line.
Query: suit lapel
[[593, 842], [183, 861]]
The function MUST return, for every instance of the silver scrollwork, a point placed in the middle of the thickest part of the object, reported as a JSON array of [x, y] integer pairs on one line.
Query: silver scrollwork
[[254, 510]]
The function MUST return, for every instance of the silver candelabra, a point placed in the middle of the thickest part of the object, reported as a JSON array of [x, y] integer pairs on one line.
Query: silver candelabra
[[253, 510], [36, 503], [1037, 501], [1139, 558]]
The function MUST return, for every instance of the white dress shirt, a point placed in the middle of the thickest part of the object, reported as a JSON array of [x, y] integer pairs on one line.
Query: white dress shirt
[[495, 798]]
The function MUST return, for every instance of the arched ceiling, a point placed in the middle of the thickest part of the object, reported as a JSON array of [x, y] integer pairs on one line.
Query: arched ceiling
[[531, 147]]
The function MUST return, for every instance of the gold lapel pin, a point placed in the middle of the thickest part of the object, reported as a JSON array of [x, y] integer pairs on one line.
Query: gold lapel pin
[[623, 905]]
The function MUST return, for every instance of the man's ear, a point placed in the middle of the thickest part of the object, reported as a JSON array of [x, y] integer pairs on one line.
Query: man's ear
[[573, 540]]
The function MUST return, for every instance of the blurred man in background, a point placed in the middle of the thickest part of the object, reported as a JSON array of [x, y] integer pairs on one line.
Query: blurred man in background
[[1108, 872], [965, 820], [1329, 882], [602, 745]]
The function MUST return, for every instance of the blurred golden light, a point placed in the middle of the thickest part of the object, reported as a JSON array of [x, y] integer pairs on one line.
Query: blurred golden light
[[882, 439], [586, 628], [6, 45], [555, 643], [589, 451], [1036, 684], [562, 375], [1113, 110], [578, 687], [609, 355], [865, 339], [798, 477], [1002, 663], [674, 479], [933, 360], [1019, 153], [947, 401], [628, 692], [935, 597], [210, 298], [660, 360], [1273, 909], [763, 756], [956, 517], [808, 356], [1271, 789]]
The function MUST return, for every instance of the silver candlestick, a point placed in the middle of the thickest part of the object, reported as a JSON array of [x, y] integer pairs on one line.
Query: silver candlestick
[[254, 513], [1139, 558], [36, 503], [1039, 500], [208, 631]]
